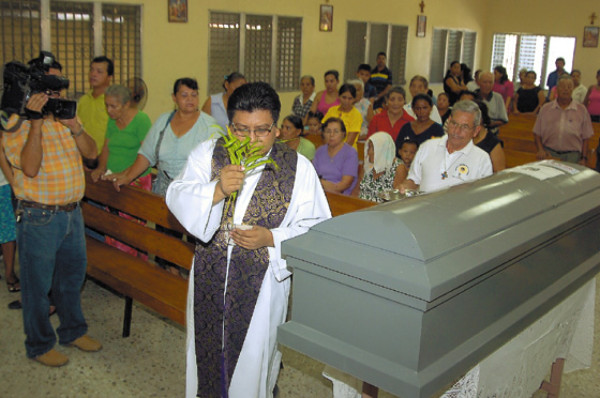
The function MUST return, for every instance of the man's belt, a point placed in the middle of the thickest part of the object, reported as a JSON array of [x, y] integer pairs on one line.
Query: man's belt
[[561, 152], [36, 205]]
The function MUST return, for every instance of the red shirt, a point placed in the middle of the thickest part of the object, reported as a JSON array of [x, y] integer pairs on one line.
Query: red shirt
[[381, 122]]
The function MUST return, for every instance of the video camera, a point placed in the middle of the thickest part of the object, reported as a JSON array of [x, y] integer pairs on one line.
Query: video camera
[[22, 81]]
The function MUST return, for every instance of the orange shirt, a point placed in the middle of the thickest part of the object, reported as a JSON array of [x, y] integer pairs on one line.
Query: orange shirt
[[60, 179]]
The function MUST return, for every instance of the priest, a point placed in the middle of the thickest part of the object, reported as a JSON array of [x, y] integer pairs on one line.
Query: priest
[[239, 284]]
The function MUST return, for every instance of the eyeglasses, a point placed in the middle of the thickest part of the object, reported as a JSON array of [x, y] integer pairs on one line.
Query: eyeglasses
[[461, 127], [244, 131]]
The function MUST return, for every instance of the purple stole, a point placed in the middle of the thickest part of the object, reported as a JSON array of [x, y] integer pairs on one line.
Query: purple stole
[[221, 321]]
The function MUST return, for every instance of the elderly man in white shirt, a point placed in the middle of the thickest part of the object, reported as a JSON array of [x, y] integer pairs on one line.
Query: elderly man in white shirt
[[493, 100], [452, 159]]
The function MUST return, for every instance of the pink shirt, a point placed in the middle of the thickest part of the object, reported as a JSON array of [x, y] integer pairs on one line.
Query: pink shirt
[[323, 106], [505, 89], [563, 129], [594, 102]]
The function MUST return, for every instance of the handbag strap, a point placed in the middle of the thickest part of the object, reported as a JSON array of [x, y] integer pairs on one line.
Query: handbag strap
[[161, 135]]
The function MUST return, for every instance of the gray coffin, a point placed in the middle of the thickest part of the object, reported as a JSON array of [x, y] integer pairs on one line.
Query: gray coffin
[[409, 295]]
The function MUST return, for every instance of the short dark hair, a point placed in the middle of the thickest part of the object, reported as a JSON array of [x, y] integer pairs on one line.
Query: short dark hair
[[295, 120], [382, 53], [366, 67], [560, 59], [468, 92], [423, 97], [333, 72], [110, 65], [408, 142], [252, 97], [347, 87], [531, 71], [233, 76], [397, 90], [315, 114], [185, 81], [335, 120]]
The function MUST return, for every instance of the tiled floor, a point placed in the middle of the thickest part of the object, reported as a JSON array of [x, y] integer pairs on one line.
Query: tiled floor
[[150, 363]]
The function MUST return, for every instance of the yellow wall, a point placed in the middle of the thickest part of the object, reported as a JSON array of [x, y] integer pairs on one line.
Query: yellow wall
[[172, 50]]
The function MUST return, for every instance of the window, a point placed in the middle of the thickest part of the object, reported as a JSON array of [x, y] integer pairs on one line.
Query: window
[[74, 32], [121, 39], [20, 28], [365, 39], [450, 45], [531, 52], [267, 49], [71, 33]]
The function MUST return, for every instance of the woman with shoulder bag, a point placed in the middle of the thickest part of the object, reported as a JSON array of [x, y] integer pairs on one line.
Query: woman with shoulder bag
[[171, 139]]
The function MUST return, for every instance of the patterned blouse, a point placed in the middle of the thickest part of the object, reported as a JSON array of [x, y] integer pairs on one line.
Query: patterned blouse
[[370, 187]]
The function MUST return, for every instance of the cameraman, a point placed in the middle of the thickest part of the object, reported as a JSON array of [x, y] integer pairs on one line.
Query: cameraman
[[46, 158]]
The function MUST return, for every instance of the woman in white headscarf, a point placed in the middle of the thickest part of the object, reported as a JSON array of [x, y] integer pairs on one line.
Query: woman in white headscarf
[[380, 166]]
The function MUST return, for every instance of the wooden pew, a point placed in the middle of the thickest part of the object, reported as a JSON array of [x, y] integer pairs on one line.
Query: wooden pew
[[141, 279], [134, 277], [519, 144]]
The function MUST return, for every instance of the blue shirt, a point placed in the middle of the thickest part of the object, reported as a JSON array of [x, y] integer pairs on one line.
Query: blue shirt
[[174, 150]]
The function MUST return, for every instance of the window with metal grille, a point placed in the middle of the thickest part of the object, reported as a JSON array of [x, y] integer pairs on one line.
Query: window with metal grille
[[71, 31], [72, 41], [365, 39], [121, 42], [19, 30], [258, 48], [532, 52], [289, 38], [448, 46], [268, 49], [224, 48]]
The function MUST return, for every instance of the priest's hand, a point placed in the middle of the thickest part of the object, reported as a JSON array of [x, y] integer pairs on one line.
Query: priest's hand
[[231, 180], [254, 238]]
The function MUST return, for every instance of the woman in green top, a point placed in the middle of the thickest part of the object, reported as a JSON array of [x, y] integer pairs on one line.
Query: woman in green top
[[291, 128], [127, 127]]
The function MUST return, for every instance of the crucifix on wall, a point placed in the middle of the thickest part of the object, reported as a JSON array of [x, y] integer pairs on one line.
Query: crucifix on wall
[[421, 21]]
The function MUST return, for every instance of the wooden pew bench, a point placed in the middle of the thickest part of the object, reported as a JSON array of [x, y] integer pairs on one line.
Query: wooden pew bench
[[519, 144], [141, 279], [134, 277]]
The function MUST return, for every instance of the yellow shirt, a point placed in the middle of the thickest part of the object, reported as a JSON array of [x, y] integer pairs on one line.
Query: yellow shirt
[[352, 120], [60, 179], [92, 114]]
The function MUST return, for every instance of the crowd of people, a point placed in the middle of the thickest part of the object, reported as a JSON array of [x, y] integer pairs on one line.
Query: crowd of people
[[423, 145]]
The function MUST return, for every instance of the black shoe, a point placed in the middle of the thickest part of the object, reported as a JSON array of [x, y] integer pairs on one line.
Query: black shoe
[[15, 305]]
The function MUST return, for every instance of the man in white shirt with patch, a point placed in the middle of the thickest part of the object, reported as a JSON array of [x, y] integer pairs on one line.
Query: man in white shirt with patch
[[452, 159]]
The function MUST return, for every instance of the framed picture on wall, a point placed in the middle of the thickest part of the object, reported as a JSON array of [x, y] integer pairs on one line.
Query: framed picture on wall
[[421, 25], [326, 18], [590, 36], [178, 10]]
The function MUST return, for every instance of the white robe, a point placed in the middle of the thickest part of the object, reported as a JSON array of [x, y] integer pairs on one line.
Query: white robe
[[189, 198]]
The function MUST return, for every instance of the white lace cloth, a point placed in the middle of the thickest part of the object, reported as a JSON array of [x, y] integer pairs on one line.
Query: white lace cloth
[[517, 368]]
